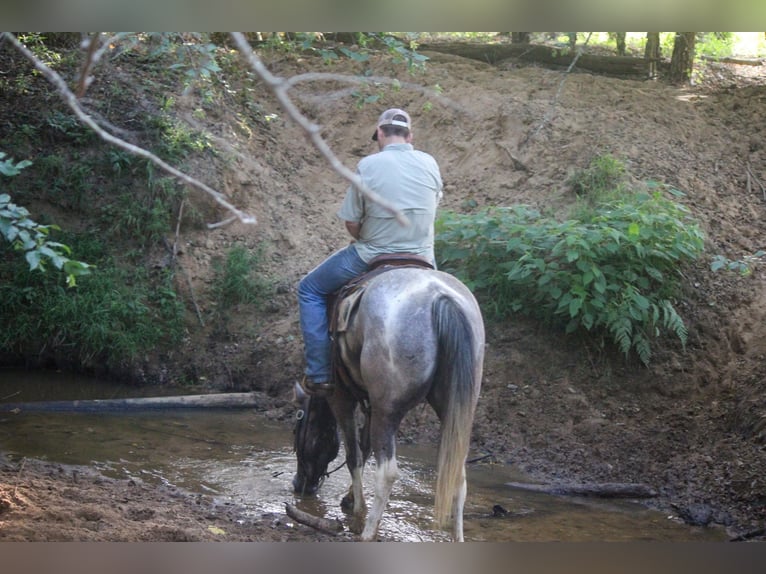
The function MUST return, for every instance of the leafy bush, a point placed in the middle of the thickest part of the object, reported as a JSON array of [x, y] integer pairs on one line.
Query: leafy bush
[[113, 317], [31, 238], [613, 273], [237, 280]]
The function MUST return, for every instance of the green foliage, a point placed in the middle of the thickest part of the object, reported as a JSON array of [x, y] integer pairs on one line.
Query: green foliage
[[604, 174], [147, 220], [176, 140], [405, 52], [114, 316], [743, 267], [306, 42], [401, 51], [62, 178], [69, 127], [613, 274], [363, 98], [237, 280], [715, 44], [197, 59], [7, 167], [35, 41], [31, 238]]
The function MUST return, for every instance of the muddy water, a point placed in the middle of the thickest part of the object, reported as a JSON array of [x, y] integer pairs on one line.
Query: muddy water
[[240, 457]]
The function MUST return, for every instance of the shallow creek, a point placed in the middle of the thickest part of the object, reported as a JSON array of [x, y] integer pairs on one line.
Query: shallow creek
[[241, 457]]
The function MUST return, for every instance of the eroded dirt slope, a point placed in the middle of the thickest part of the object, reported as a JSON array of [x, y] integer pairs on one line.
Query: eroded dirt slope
[[691, 425]]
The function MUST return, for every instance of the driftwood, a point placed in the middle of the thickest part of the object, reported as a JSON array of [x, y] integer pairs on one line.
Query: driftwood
[[333, 526], [219, 400], [494, 53], [738, 61], [602, 490]]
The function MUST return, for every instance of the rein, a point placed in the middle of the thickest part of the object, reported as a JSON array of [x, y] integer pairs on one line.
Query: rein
[[300, 437]]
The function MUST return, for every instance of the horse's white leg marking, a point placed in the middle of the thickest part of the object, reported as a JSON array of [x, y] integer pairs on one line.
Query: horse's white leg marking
[[356, 488], [360, 506], [385, 475], [459, 505]]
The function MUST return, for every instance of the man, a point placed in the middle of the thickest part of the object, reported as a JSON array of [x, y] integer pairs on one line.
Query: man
[[407, 179]]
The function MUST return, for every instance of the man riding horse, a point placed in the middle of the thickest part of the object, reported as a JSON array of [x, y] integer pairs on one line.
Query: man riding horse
[[408, 180], [409, 335]]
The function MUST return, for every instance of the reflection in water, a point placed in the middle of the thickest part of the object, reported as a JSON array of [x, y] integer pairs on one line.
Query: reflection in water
[[242, 458]]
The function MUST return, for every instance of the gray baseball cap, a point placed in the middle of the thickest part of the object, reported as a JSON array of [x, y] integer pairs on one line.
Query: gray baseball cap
[[393, 117]]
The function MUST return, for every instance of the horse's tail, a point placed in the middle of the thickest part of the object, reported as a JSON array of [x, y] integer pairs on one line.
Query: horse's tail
[[454, 382]]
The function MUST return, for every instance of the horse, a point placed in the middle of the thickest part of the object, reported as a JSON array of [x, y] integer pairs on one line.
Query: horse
[[412, 335]]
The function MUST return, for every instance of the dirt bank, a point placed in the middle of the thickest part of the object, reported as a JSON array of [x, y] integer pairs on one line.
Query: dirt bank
[[692, 425]]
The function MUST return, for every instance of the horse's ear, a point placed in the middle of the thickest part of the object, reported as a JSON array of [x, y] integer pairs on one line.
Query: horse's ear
[[299, 395]]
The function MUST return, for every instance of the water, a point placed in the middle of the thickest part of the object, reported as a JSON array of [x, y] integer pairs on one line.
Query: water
[[239, 456]]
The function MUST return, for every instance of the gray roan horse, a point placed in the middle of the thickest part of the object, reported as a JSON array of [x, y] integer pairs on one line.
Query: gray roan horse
[[413, 335]]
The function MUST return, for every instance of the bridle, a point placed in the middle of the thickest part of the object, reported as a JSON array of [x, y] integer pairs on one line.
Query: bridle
[[300, 437]]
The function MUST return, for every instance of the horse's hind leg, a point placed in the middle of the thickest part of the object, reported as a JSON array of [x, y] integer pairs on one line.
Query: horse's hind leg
[[460, 495], [386, 473], [437, 403]]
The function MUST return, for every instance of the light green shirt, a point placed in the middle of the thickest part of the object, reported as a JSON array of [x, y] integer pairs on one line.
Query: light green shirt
[[410, 181]]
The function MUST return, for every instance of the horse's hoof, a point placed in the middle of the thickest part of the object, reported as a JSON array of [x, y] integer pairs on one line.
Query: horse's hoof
[[369, 535], [347, 504], [356, 525]]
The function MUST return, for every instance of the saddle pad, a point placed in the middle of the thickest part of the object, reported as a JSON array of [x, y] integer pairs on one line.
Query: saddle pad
[[346, 309]]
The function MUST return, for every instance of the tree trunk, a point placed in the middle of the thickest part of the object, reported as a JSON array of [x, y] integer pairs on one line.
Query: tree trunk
[[652, 53], [520, 37], [682, 60], [620, 39]]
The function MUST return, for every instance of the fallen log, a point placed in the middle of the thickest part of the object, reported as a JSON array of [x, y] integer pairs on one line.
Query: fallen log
[[602, 490], [738, 61], [548, 55], [218, 400], [326, 525]]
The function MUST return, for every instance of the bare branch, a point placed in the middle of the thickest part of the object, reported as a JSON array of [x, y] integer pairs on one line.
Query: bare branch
[[71, 100], [223, 223], [87, 65], [95, 49], [328, 525], [280, 87]]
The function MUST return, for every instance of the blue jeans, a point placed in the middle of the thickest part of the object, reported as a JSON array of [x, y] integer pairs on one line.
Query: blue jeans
[[313, 291]]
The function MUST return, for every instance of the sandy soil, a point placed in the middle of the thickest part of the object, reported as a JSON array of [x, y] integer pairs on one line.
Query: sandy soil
[[692, 425]]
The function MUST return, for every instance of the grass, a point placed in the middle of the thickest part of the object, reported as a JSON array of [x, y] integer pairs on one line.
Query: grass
[[237, 279]]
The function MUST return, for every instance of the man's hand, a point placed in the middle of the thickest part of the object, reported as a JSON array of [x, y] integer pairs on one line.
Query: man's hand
[[354, 228]]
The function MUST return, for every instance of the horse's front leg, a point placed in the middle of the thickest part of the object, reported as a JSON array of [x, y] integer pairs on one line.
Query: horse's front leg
[[353, 501]]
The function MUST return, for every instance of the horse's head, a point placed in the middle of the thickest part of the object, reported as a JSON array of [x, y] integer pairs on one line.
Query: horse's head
[[316, 441]]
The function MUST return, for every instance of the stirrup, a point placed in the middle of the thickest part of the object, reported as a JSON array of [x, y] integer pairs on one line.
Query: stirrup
[[317, 389]]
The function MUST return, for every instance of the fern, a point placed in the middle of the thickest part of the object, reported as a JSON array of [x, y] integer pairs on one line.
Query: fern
[[642, 347], [673, 322], [622, 332]]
